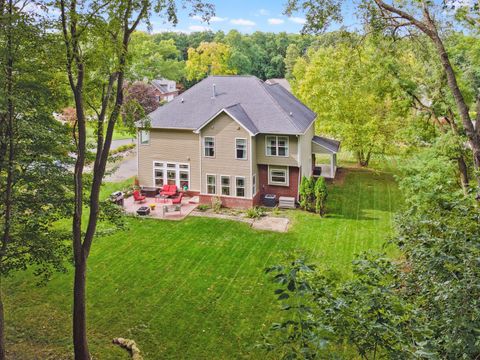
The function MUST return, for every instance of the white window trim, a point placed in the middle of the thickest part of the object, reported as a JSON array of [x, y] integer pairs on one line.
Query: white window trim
[[177, 169], [287, 153], [214, 146], [287, 175], [229, 185], [254, 185], [246, 149], [207, 184], [244, 187], [140, 137]]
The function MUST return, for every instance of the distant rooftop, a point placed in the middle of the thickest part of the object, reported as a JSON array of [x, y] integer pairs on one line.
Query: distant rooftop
[[259, 106], [282, 82]]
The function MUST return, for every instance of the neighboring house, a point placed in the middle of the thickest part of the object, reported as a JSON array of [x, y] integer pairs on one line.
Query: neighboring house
[[165, 90], [231, 136], [282, 82]]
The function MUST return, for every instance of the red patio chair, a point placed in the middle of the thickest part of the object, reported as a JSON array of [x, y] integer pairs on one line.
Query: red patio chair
[[169, 190], [177, 200], [137, 197]]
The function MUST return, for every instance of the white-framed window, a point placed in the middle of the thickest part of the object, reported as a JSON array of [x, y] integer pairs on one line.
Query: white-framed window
[[276, 145], [254, 184], [211, 184], [240, 148], [171, 173], [225, 185], [144, 137], [209, 146], [240, 186], [278, 176]]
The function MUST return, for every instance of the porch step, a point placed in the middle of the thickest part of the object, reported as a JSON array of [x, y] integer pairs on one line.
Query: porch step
[[194, 200], [286, 202]]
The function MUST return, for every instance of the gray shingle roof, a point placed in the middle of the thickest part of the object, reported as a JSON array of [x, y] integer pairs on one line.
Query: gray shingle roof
[[329, 144], [260, 107]]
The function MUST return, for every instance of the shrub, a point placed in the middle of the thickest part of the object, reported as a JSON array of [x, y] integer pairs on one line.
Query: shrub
[[216, 204], [320, 196], [255, 212], [203, 207], [122, 148]]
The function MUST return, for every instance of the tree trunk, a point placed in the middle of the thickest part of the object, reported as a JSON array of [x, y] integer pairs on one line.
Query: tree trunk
[[462, 107], [463, 170], [79, 311], [2, 327]]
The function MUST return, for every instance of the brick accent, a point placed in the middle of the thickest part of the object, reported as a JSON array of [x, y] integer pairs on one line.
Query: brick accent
[[230, 202], [291, 190]]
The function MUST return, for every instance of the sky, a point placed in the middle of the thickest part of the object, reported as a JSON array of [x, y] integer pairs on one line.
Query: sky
[[245, 16]]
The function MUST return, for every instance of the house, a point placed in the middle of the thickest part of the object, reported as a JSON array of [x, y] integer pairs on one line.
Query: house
[[282, 82], [235, 137], [165, 90]]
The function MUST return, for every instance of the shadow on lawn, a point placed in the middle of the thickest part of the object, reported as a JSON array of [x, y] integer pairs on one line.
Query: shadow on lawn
[[358, 192]]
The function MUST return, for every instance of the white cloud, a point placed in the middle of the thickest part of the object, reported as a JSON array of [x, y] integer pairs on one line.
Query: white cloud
[[274, 21], [242, 22], [198, 28], [298, 20]]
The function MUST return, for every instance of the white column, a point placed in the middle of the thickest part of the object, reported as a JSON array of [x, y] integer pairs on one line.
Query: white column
[[332, 165]]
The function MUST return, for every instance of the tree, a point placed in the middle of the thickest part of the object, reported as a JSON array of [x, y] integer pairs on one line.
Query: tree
[[354, 95], [140, 99], [293, 53], [209, 59], [96, 36], [153, 60], [307, 193], [34, 153], [419, 16], [321, 195]]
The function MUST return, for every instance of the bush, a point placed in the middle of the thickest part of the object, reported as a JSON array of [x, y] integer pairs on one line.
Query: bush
[[203, 207], [313, 195], [255, 212], [122, 149], [216, 204], [320, 196]]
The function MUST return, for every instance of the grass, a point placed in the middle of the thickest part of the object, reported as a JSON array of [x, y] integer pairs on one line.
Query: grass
[[119, 133], [194, 289]]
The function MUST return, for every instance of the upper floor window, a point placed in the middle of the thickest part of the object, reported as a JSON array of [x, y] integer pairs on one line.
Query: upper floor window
[[209, 146], [276, 145], [144, 137], [241, 149]]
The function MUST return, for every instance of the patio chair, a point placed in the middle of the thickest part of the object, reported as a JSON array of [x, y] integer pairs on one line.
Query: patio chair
[[137, 197], [177, 200]]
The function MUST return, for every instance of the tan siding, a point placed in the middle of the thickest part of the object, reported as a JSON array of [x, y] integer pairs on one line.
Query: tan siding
[[254, 162], [306, 151], [291, 160], [169, 145], [225, 130]]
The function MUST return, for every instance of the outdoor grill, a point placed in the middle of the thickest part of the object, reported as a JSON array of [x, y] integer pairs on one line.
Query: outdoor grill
[[117, 198]]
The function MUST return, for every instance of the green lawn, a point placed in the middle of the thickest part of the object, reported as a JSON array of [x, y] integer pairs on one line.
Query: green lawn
[[194, 289]]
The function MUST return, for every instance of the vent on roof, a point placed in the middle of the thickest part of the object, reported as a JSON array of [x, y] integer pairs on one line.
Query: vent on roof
[[214, 91], [291, 113], [182, 100]]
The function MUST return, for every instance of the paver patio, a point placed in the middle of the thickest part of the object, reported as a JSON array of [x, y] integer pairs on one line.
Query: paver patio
[[186, 208]]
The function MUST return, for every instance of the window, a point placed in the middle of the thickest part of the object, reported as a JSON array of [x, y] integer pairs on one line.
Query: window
[[209, 146], [225, 183], [241, 149], [278, 176], [276, 145], [144, 137], [171, 174], [211, 184], [159, 177], [254, 184], [240, 186]]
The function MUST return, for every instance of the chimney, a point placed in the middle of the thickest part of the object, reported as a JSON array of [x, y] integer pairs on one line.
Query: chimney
[[214, 92]]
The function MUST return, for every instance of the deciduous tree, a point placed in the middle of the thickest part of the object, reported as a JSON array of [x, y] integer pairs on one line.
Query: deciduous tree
[[209, 59]]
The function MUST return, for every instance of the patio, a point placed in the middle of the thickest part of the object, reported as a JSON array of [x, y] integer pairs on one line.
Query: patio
[[187, 206]]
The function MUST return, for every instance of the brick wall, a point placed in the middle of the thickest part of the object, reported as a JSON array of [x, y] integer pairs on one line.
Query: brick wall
[[230, 202], [291, 190]]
